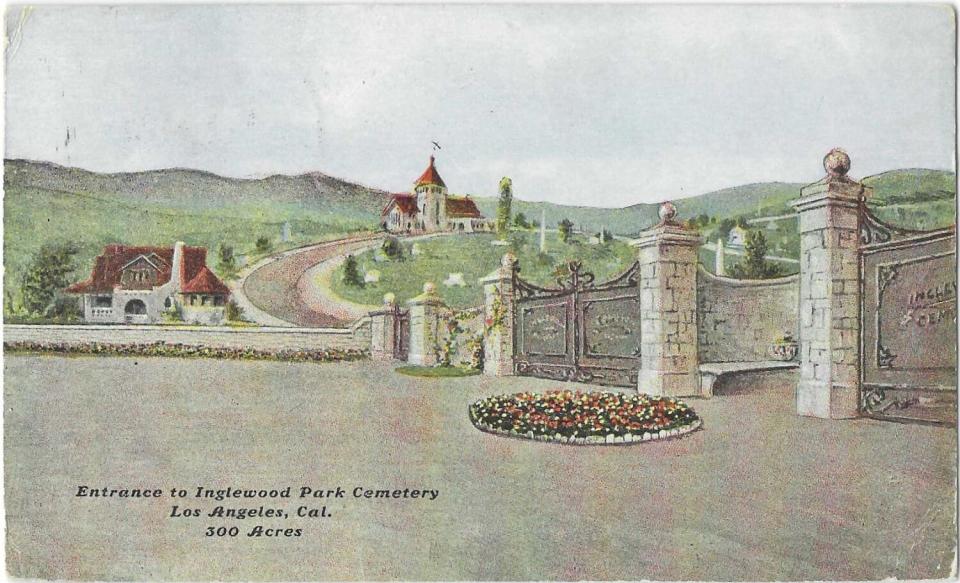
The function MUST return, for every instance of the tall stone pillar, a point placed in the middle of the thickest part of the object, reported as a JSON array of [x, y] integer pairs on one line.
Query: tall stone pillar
[[499, 314], [383, 329], [427, 314], [829, 385], [668, 306]]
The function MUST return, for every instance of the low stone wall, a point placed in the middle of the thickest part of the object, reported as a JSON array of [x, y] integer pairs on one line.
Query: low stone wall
[[739, 320], [357, 336]]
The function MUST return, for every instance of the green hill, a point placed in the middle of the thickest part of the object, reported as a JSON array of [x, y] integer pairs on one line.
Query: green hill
[[45, 202]]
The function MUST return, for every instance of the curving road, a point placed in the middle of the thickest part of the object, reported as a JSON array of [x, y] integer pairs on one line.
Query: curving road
[[278, 290]]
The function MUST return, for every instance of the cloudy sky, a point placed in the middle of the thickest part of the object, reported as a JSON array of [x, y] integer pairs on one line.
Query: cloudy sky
[[601, 105]]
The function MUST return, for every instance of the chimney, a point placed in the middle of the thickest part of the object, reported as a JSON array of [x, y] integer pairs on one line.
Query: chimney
[[176, 270]]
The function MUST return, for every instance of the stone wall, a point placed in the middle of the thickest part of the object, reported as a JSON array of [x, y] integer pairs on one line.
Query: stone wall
[[740, 319], [357, 336], [471, 323]]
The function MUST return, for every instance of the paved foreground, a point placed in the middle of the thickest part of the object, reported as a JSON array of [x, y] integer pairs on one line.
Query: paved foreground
[[757, 494]]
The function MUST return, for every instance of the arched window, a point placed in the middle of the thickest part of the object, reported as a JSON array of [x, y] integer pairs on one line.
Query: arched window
[[135, 307]]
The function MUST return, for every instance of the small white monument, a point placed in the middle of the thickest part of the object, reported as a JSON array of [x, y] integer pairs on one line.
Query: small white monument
[[455, 279], [719, 267], [372, 276], [543, 230]]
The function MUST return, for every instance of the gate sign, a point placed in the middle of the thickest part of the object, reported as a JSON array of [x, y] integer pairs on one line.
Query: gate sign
[[909, 326]]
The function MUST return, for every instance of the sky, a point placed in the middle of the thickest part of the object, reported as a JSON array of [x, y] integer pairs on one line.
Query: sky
[[603, 105]]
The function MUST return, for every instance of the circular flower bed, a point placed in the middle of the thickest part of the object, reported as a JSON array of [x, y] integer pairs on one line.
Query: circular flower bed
[[584, 418]]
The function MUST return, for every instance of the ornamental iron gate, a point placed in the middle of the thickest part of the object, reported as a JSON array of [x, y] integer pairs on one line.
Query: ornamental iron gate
[[908, 323], [580, 330], [401, 333]]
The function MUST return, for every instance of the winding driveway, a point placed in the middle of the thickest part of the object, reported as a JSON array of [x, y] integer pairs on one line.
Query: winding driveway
[[279, 290]]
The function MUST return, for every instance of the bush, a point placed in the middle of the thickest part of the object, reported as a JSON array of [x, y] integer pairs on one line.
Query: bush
[[234, 312], [393, 249], [263, 245], [351, 272]]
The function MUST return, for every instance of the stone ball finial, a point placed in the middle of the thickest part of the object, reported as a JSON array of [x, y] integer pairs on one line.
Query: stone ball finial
[[508, 259], [389, 298], [836, 162], [667, 212], [429, 288]]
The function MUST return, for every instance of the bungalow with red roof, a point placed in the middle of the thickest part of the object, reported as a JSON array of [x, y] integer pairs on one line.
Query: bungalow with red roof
[[429, 208], [137, 284]]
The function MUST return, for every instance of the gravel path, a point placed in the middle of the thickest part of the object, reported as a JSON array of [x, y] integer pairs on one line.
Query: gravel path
[[273, 291]]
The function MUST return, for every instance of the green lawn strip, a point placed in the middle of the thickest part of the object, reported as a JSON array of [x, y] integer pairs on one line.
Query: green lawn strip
[[437, 371]]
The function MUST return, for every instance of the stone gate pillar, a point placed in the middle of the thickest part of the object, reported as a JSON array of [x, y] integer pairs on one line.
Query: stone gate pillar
[[668, 307], [499, 316], [427, 315], [383, 328], [829, 385]]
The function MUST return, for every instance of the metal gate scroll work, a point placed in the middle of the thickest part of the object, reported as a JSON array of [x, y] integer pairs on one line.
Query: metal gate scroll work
[[580, 330]]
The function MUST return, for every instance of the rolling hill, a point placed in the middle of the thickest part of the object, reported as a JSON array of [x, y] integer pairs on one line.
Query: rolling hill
[[46, 202]]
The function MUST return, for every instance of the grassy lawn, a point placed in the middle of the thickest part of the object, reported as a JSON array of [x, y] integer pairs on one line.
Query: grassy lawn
[[437, 371], [474, 256]]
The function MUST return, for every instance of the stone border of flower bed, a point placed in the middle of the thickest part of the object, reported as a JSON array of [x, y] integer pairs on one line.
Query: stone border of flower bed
[[163, 349], [625, 439]]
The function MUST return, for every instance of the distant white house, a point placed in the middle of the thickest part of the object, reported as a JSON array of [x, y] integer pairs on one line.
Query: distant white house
[[737, 237]]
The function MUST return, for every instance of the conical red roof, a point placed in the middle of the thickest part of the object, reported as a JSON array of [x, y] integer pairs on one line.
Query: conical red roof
[[430, 176], [205, 283]]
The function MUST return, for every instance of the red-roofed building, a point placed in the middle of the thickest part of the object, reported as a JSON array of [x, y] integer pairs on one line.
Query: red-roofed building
[[137, 284], [429, 208]]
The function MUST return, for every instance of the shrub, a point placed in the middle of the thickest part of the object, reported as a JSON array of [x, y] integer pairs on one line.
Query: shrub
[[234, 312], [351, 272], [393, 249], [263, 245]]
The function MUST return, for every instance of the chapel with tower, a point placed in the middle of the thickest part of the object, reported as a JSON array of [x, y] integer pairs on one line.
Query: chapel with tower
[[430, 208]]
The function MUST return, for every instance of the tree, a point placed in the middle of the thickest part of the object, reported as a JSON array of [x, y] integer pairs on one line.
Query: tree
[[263, 244], [565, 227], [503, 207], [47, 274], [604, 236], [520, 221], [351, 272], [754, 264], [227, 261]]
